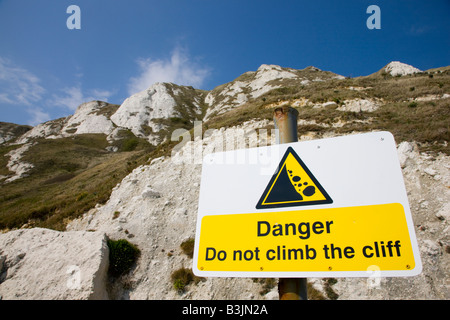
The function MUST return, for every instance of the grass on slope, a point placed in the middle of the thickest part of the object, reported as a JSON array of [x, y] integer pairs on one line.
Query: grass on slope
[[70, 176], [426, 122]]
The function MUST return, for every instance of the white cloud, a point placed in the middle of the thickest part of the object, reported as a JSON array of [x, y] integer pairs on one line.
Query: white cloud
[[20, 87], [71, 99], [17, 85], [38, 116], [100, 94], [74, 96], [179, 69]]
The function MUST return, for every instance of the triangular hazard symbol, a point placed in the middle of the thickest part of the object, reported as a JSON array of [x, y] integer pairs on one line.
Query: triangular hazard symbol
[[292, 185]]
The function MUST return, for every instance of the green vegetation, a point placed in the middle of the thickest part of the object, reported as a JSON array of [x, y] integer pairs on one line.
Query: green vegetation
[[127, 141], [4, 160], [116, 214], [331, 294], [122, 256], [401, 112], [70, 176], [189, 107], [12, 129], [182, 277], [188, 247]]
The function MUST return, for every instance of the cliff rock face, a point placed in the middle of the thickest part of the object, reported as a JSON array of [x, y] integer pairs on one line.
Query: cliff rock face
[[10, 131], [90, 117], [254, 84], [150, 111], [396, 68]]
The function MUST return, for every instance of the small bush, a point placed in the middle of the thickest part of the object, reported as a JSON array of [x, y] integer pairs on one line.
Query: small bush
[[179, 285], [122, 256], [182, 277], [188, 247], [130, 144], [331, 294]]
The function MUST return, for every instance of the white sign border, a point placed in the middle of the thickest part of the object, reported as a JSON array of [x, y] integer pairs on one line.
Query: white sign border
[[383, 136]]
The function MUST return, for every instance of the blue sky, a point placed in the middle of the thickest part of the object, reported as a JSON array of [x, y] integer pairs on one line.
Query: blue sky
[[47, 70]]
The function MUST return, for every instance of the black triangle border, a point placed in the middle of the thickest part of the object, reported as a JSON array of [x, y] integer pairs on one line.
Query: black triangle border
[[328, 199]]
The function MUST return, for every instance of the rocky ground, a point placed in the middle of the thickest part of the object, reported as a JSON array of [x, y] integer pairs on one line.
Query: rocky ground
[[46, 264]]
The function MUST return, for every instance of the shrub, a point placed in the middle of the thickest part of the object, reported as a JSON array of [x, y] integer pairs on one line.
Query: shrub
[[331, 294], [116, 214], [179, 285], [182, 277], [130, 144], [188, 247], [122, 256]]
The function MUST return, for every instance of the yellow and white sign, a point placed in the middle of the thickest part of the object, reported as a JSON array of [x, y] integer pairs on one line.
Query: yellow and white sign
[[331, 208]]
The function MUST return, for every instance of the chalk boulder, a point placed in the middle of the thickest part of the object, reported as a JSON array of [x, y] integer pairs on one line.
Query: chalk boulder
[[51, 265]]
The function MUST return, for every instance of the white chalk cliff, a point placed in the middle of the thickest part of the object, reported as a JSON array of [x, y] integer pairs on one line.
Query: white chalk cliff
[[396, 68]]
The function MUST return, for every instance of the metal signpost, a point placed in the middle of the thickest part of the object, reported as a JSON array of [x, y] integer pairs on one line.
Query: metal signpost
[[285, 120]]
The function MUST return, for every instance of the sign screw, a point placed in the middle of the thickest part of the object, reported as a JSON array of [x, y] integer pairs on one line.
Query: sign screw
[[408, 266], [261, 268], [330, 268], [201, 268]]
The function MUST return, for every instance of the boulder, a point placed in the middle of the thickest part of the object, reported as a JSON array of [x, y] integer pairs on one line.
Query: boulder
[[405, 151], [358, 105], [51, 265]]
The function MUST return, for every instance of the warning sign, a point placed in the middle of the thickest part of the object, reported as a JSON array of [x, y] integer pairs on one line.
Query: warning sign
[[292, 185], [333, 207], [326, 240]]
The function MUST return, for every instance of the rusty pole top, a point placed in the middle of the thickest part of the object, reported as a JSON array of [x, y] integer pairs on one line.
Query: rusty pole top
[[285, 119]]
